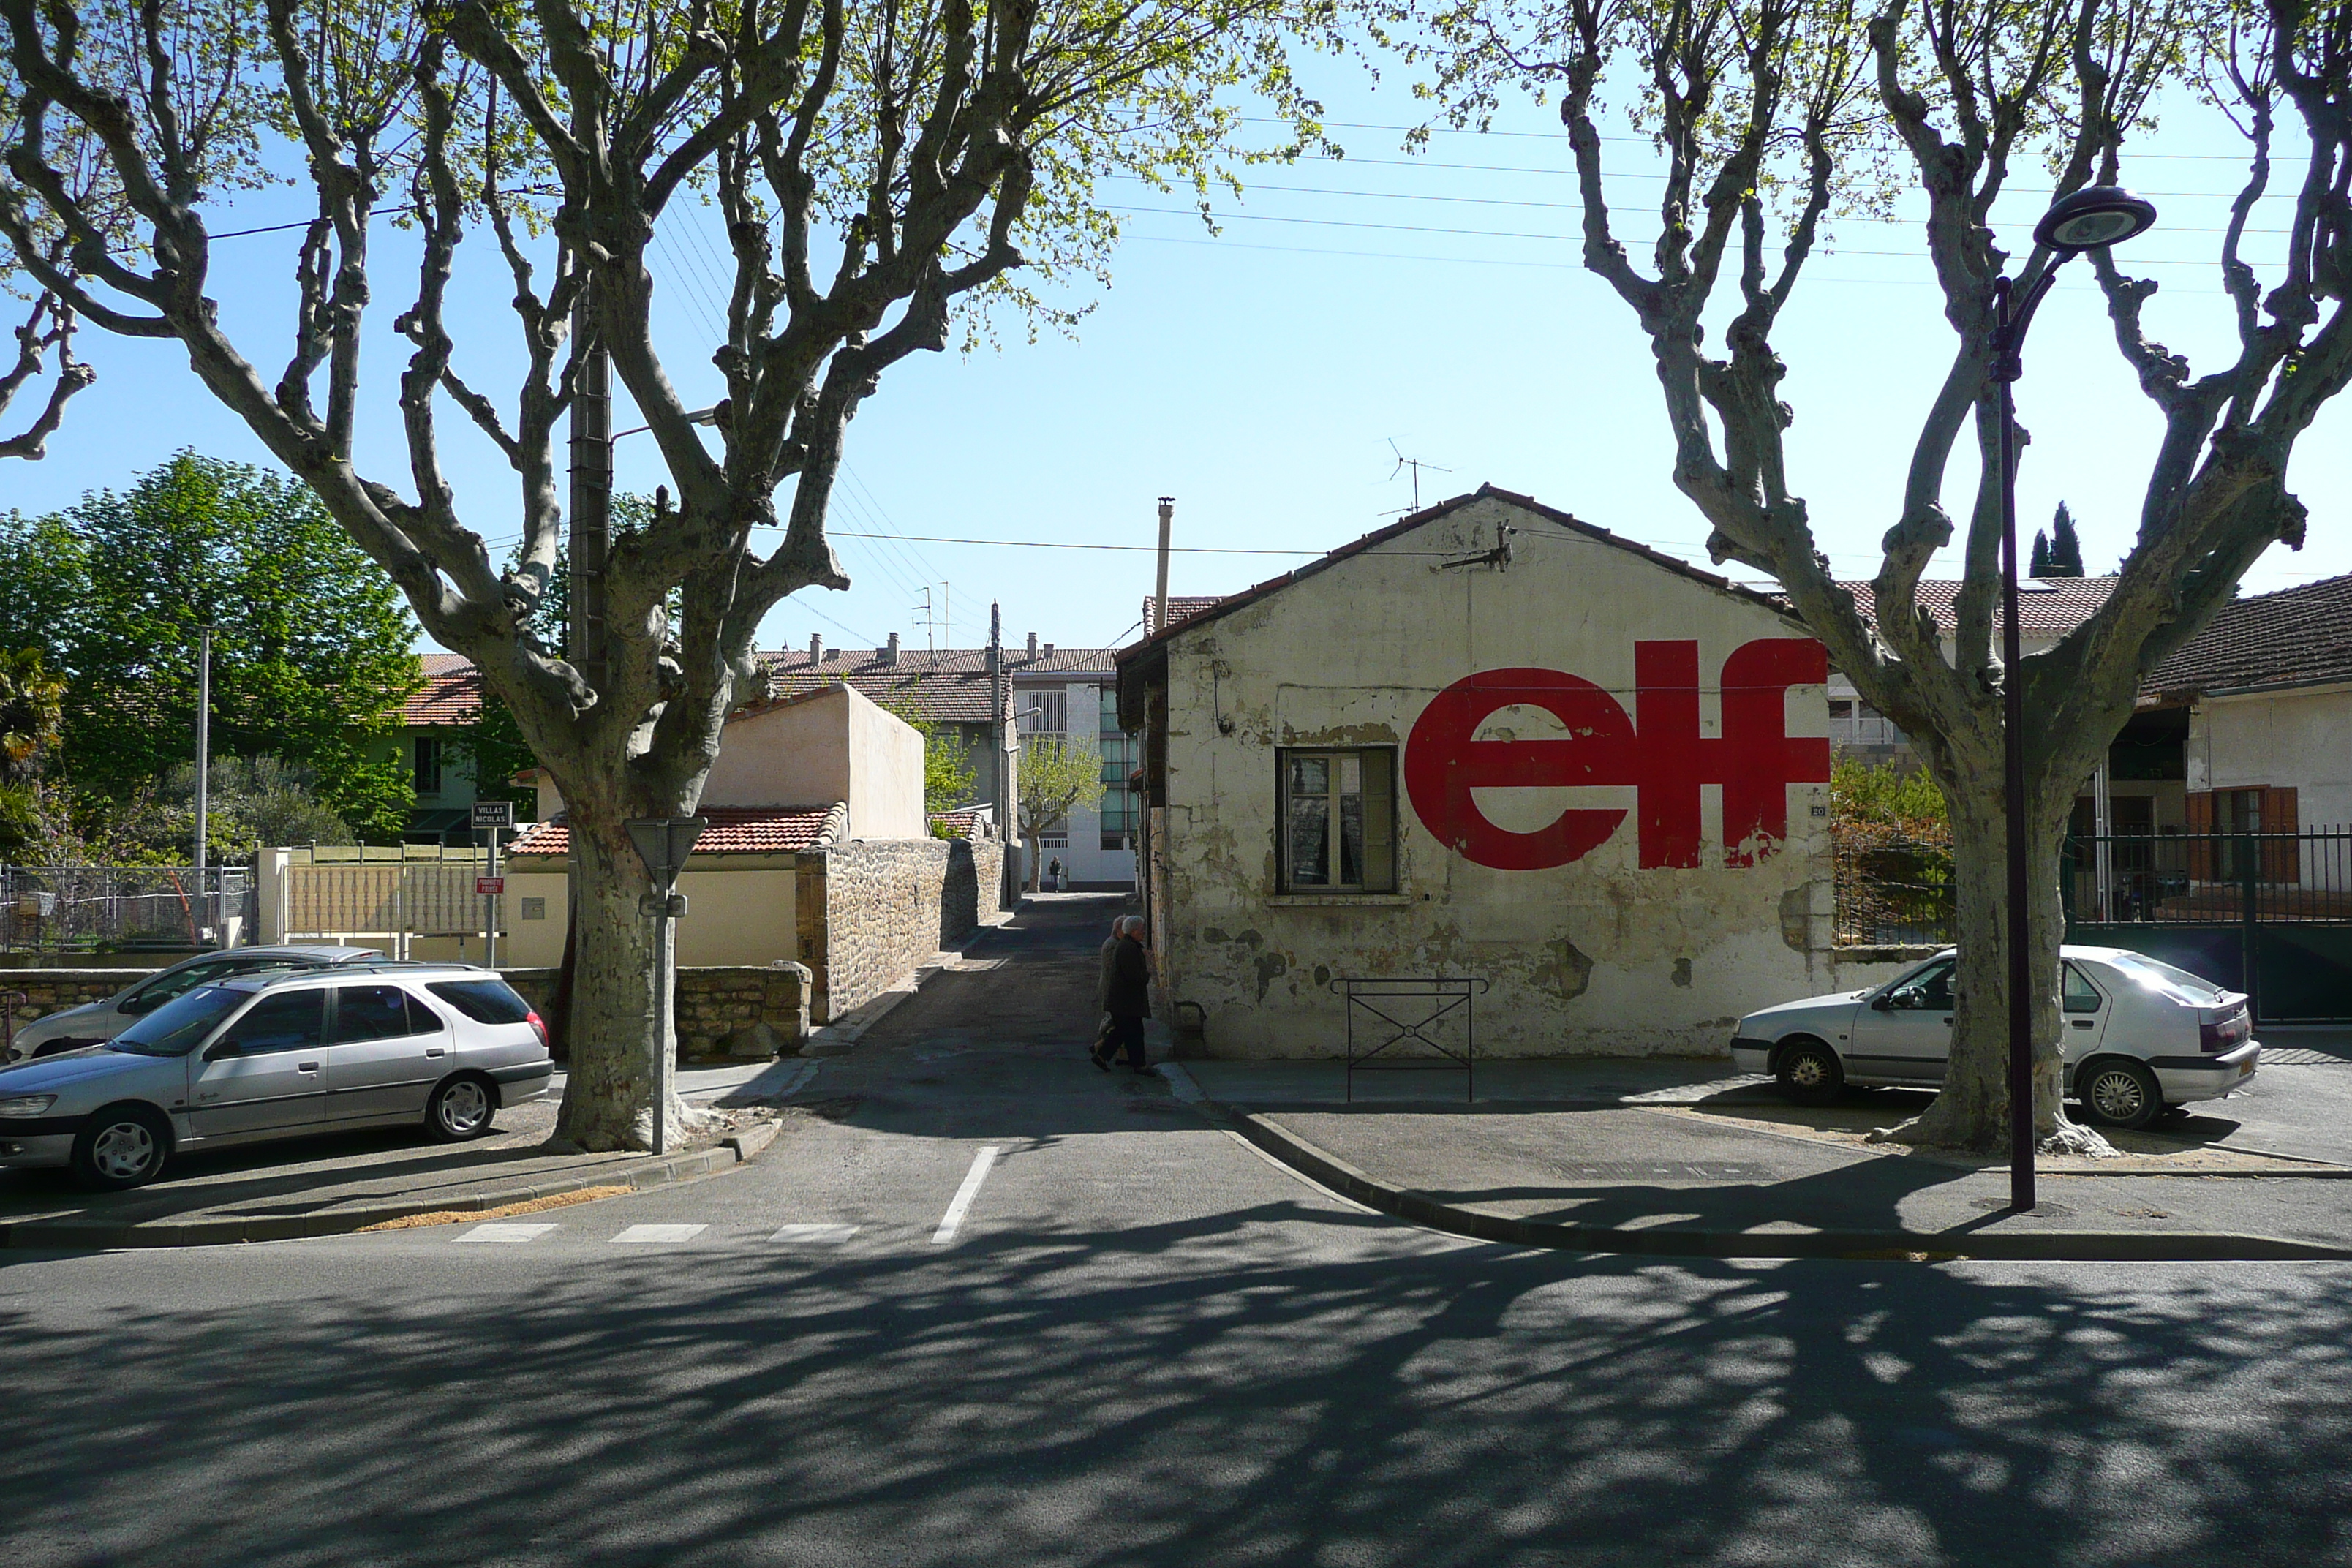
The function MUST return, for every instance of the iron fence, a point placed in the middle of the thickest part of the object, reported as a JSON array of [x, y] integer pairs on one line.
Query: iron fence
[[1891, 888], [123, 909]]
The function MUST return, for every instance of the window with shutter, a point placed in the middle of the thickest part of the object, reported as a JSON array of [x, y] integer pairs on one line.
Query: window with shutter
[[1337, 812]]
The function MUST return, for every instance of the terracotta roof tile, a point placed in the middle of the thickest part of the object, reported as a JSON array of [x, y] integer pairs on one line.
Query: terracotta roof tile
[[733, 830], [1181, 608], [2297, 636], [451, 695], [946, 686], [2047, 607]]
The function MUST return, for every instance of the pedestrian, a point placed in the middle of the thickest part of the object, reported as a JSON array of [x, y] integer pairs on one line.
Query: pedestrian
[[1130, 1000], [1102, 994], [1054, 875]]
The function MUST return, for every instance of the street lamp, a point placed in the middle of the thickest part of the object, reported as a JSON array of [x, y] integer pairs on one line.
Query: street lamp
[[2088, 219]]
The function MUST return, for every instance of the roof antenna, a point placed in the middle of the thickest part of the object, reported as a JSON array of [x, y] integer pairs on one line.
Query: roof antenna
[[1416, 465]]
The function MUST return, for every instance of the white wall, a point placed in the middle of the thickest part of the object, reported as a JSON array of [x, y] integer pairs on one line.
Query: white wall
[[1599, 956], [2302, 739]]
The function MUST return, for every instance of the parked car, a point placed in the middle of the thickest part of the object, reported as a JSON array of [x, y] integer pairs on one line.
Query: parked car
[[94, 1021], [2140, 1036], [280, 1054]]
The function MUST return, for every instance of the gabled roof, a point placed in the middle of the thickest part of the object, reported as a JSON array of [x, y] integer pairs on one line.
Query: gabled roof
[[2297, 636], [451, 695], [943, 686], [733, 830], [1272, 585], [1181, 608]]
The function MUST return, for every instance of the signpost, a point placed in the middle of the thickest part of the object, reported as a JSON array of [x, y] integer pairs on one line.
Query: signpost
[[663, 843], [491, 818]]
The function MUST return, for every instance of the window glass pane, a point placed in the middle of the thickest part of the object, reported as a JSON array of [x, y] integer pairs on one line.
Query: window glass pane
[[1310, 775], [1307, 831], [290, 1021], [483, 1001], [2081, 996], [369, 1012]]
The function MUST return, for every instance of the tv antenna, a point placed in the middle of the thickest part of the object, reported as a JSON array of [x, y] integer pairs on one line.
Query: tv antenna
[[1416, 465], [931, 642]]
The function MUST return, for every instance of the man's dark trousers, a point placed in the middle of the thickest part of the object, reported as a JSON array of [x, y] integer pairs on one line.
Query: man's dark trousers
[[1127, 1032]]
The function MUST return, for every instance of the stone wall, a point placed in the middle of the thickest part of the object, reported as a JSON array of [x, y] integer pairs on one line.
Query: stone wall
[[722, 1009], [49, 990], [871, 910]]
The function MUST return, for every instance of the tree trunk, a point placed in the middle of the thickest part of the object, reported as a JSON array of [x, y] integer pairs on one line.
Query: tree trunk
[[615, 1012], [1972, 1109]]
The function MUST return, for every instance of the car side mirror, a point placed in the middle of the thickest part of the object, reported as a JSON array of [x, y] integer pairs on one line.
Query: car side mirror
[[136, 1004], [220, 1050], [1882, 1003]]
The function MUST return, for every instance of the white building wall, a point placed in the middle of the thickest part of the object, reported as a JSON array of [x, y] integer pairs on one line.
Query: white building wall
[[1600, 955], [2299, 739]]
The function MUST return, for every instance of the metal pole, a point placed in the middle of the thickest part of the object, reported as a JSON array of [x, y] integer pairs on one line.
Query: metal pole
[[591, 494], [2103, 856], [490, 909], [664, 1018], [1160, 599], [2012, 701], [204, 772]]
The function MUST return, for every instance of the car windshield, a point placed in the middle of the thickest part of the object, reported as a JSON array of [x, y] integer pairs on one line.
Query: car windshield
[[2177, 983], [179, 1025]]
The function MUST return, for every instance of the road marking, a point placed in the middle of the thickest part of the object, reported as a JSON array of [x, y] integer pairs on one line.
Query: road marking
[[497, 1232], [815, 1235], [953, 1219], [647, 1235]]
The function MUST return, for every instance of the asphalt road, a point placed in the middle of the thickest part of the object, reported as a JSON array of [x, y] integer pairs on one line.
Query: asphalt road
[[1136, 1342]]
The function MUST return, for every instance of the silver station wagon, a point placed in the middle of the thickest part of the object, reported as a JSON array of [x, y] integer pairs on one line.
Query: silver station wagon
[[279, 1055], [2139, 1036]]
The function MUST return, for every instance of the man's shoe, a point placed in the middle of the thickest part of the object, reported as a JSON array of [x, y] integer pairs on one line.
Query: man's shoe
[[1097, 1058]]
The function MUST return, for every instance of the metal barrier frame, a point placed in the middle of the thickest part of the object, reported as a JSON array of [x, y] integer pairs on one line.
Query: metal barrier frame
[[1453, 992]]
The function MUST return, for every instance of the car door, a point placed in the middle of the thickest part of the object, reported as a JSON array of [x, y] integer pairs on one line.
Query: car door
[[2086, 1009], [385, 1053], [267, 1071], [1905, 1032]]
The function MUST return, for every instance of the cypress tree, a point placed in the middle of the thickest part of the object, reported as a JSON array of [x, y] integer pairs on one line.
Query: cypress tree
[[2066, 547], [2040, 566]]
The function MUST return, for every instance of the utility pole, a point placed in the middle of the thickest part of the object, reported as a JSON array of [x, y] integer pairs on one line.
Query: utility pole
[[591, 494], [204, 772], [1002, 796], [1160, 599], [930, 641]]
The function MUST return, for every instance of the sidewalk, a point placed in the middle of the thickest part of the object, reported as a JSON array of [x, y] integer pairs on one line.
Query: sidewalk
[[335, 1184], [1689, 1157]]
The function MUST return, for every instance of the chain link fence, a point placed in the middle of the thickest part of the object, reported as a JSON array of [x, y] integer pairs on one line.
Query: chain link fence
[[123, 909]]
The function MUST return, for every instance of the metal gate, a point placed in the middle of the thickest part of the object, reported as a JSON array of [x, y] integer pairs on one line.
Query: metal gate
[[2266, 913]]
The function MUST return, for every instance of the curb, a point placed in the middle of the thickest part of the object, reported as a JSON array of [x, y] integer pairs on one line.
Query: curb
[[1665, 1241], [80, 1235]]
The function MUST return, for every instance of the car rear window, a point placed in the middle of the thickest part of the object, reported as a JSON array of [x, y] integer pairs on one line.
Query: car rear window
[[483, 1001], [2159, 975]]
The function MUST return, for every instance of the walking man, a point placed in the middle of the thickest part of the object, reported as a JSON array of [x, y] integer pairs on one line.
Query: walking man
[[1102, 994], [1129, 999]]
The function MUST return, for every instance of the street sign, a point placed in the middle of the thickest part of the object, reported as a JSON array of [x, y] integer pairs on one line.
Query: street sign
[[664, 843], [493, 813], [490, 887]]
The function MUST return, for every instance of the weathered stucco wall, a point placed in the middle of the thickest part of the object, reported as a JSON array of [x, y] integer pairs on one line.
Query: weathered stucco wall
[[871, 911], [1602, 954]]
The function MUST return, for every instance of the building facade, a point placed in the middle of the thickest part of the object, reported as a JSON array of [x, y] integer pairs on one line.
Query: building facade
[[1488, 742]]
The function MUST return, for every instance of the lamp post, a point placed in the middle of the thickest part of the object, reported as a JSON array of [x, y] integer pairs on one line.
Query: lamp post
[[2089, 219]]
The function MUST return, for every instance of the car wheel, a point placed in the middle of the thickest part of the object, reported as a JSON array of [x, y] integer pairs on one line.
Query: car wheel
[[122, 1146], [1810, 1073], [2116, 1093], [461, 1108]]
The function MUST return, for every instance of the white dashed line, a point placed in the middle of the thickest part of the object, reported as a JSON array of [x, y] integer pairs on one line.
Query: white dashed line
[[651, 1235], [503, 1233], [953, 1219], [815, 1235]]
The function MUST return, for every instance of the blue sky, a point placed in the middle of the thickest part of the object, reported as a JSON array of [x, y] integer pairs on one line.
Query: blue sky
[[1430, 300]]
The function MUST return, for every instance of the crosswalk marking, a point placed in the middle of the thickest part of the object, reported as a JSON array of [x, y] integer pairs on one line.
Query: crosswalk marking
[[498, 1231], [643, 1235], [815, 1235], [952, 1220]]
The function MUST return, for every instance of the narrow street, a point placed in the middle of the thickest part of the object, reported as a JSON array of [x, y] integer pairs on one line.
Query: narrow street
[[983, 1304]]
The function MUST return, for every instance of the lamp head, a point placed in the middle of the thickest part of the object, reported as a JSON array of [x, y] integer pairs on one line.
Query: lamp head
[[2094, 216]]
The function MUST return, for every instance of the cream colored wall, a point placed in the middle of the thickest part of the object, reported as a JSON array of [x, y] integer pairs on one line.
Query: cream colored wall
[[1597, 956], [885, 775], [2298, 737], [832, 745], [738, 913]]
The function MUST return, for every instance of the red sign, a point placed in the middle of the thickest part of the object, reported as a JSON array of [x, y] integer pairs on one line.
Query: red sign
[[488, 886], [1660, 751]]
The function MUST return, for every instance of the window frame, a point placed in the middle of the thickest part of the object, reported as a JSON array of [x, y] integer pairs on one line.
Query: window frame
[[1368, 758]]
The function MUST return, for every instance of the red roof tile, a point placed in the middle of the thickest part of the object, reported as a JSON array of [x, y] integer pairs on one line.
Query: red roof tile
[[733, 830], [2297, 636], [2046, 607], [451, 695], [1181, 608]]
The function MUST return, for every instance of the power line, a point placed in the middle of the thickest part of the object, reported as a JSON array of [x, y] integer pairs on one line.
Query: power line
[[1630, 141]]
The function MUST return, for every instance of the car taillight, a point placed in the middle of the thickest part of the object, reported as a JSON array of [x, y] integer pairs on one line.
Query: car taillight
[[539, 1025], [2229, 1033]]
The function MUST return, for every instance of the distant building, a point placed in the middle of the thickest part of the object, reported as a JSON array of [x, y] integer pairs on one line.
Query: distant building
[[432, 722]]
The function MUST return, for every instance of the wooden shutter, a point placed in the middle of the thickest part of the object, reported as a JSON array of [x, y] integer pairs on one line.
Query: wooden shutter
[[2200, 829], [2282, 857], [1380, 821]]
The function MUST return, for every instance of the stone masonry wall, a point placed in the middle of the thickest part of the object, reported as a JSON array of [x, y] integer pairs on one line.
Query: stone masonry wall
[[49, 990], [714, 1003], [887, 906]]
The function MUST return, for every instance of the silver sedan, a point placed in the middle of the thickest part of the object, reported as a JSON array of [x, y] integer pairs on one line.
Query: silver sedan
[[70, 1028], [276, 1056]]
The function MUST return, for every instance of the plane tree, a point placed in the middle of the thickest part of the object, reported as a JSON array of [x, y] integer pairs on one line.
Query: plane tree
[[889, 177], [1774, 117]]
